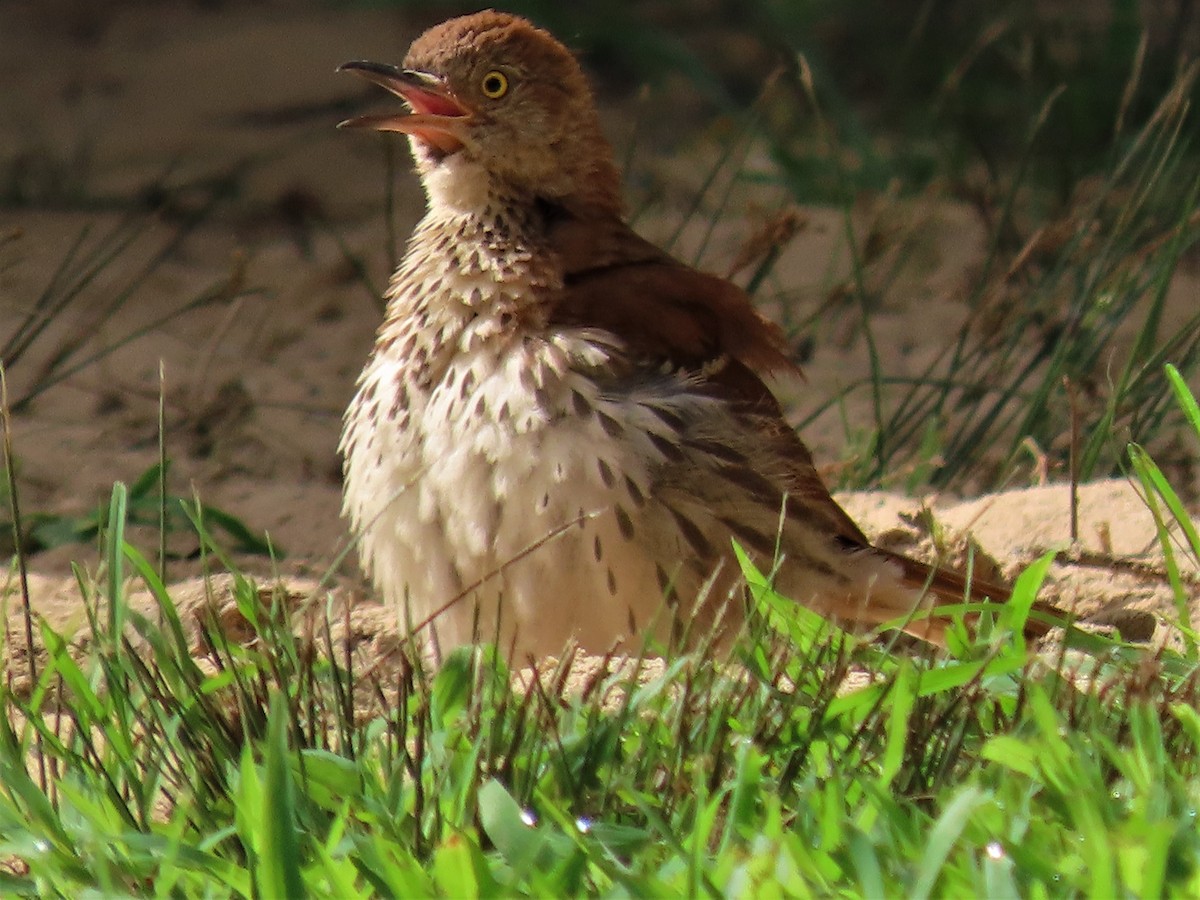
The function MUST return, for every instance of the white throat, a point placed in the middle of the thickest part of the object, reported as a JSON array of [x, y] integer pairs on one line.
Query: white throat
[[456, 186]]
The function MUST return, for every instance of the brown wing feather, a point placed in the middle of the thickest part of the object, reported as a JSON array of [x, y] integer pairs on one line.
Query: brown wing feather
[[666, 312], [807, 491], [662, 309], [799, 479]]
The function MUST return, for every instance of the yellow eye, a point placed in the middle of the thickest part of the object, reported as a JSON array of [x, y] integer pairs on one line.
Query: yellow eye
[[494, 85]]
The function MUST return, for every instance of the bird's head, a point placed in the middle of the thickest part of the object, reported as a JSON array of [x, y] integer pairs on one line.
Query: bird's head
[[492, 97]]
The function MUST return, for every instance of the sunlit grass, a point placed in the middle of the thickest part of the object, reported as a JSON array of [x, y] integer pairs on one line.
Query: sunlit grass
[[1063, 341], [270, 768]]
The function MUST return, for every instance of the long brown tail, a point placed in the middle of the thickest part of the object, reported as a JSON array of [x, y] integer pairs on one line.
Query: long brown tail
[[949, 588]]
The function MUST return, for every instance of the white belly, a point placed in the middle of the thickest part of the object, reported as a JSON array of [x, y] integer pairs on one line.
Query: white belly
[[507, 496]]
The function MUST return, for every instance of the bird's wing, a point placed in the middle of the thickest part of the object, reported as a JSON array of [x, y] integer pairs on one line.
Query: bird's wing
[[664, 312], [669, 316], [662, 309]]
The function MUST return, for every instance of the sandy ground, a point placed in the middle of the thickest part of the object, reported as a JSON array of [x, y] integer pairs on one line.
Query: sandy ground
[[100, 104]]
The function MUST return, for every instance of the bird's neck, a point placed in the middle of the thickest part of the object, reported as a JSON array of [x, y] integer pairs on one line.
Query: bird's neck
[[475, 257], [458, 187], [486, 251]]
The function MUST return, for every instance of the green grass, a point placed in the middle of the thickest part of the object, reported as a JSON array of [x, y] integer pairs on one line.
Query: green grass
[[275, 768], [1177, 534], [255, 782], [1064, 325]]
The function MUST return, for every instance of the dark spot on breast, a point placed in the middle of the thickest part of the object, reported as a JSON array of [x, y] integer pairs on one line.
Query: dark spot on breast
[[664, 581], [606, 473], [635, 492], [668, 449], [624, 523], [612, 582], [580, 402], [671, 419], [481, 406], [611, 426], [468, 383], [597, 549], [692, 534], [399, 401]]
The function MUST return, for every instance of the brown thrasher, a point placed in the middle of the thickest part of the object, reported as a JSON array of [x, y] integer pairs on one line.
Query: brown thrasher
[[561, 426]]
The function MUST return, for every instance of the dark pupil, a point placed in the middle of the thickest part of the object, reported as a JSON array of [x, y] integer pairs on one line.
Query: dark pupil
[[492, 85]]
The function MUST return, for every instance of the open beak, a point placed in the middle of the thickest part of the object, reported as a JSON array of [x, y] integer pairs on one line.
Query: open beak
[[437, 117]]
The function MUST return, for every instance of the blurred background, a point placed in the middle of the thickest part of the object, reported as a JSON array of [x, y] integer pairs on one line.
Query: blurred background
[[977, 220]]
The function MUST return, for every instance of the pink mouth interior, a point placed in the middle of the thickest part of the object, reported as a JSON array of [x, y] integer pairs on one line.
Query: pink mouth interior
[[430, 103]]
